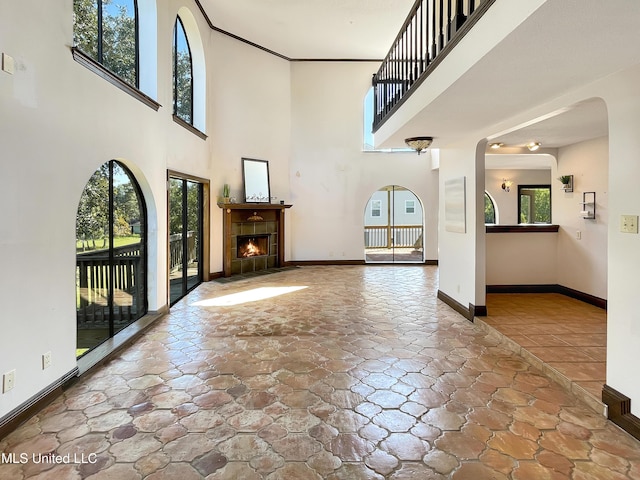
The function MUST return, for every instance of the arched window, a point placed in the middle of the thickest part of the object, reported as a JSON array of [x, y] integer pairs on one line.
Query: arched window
[[107, 31], [111, 256], [489, 209], [182, 74]]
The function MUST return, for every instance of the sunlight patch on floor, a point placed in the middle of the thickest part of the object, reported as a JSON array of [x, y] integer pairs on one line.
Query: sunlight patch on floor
[[253, 295]]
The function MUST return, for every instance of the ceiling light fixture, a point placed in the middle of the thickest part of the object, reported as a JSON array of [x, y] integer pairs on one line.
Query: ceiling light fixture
[[418, 143], [533, 146], [496, 146]]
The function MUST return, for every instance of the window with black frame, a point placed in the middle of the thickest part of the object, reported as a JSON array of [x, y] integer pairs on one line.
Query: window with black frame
[[534, 204], [182, 74], [107, 32], [111, 256]]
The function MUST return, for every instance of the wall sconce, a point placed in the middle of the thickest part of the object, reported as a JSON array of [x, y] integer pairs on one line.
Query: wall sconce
[[533, 146], [506, 185], [418, 143]]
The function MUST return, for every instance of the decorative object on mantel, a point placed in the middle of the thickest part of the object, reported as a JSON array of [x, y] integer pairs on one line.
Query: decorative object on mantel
[[255, 218], [226, 193], [588, 204], [506, 185], [567, 182], [418, 143]]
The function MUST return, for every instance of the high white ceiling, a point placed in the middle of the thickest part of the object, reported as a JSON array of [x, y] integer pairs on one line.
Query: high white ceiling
[[574, 41], [313, 29]]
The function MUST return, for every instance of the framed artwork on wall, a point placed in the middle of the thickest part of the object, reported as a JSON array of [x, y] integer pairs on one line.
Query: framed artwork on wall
[[255, 175], [454, 205]]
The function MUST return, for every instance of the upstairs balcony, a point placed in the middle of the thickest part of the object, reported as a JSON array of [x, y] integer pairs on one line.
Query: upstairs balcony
[[430, 32]]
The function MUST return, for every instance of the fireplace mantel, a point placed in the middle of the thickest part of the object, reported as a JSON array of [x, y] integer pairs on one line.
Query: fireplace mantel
[[237, 218]]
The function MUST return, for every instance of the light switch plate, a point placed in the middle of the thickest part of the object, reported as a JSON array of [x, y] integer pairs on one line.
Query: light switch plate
[[629, 223], [8, 64], [8, 381]]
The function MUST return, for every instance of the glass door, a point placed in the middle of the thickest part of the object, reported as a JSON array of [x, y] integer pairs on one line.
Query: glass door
[[185, 236], [393, 227]]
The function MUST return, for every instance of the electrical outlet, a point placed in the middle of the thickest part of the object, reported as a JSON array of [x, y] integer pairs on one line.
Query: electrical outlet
[[8, 381], [46, 360], [629, 223]]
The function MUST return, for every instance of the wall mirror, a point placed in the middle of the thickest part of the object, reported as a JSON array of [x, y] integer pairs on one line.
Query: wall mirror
[[255, 174]]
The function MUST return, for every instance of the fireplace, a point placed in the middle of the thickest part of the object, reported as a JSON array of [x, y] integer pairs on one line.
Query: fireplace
[[252, 245], [253, 237]]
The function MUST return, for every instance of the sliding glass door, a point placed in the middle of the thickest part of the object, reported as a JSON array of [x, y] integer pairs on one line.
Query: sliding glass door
[[185, 236]]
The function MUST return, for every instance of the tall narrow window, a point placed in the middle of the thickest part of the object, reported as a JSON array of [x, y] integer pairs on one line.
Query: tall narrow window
[[107, 31], [182, 75]]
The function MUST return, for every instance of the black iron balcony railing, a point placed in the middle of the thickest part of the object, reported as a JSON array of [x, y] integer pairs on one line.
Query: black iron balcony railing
[[431, 30]]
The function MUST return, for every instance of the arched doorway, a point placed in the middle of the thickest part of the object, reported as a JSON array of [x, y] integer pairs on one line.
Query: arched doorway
[[111, 258], [394, 227]]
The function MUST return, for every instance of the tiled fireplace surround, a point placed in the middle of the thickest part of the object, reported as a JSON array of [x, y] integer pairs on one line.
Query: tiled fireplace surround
[[252, 219]]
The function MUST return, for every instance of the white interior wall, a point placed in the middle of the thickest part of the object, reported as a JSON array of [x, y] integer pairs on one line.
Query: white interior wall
[[332, 179], [457, 251], [506, 203], [582, 257], [522, 258], [250, 112], [620, 92]]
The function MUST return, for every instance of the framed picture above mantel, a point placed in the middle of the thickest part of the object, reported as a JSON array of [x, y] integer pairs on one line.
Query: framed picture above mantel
[[255, 177]]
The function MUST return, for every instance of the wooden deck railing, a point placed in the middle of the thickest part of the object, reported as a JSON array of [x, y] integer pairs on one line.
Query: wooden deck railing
[[431, 30], [175, 250], [399, 236], [97, 275]]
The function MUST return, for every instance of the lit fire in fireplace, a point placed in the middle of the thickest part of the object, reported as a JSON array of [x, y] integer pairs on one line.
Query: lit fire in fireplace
[[252, 246], [251, 250]]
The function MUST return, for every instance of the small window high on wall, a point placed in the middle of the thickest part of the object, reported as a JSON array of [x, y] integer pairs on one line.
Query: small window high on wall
[[182, 74], [367, 128], [107, 32]]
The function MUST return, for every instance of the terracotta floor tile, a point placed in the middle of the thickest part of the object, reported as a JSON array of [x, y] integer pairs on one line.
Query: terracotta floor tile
[[364, 374]]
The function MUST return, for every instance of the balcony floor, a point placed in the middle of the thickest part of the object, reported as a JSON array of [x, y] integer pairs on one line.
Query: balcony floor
[[363, 374]]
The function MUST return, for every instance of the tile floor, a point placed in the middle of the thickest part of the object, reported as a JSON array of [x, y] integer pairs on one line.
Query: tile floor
[[567, 335], [319, 373]]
